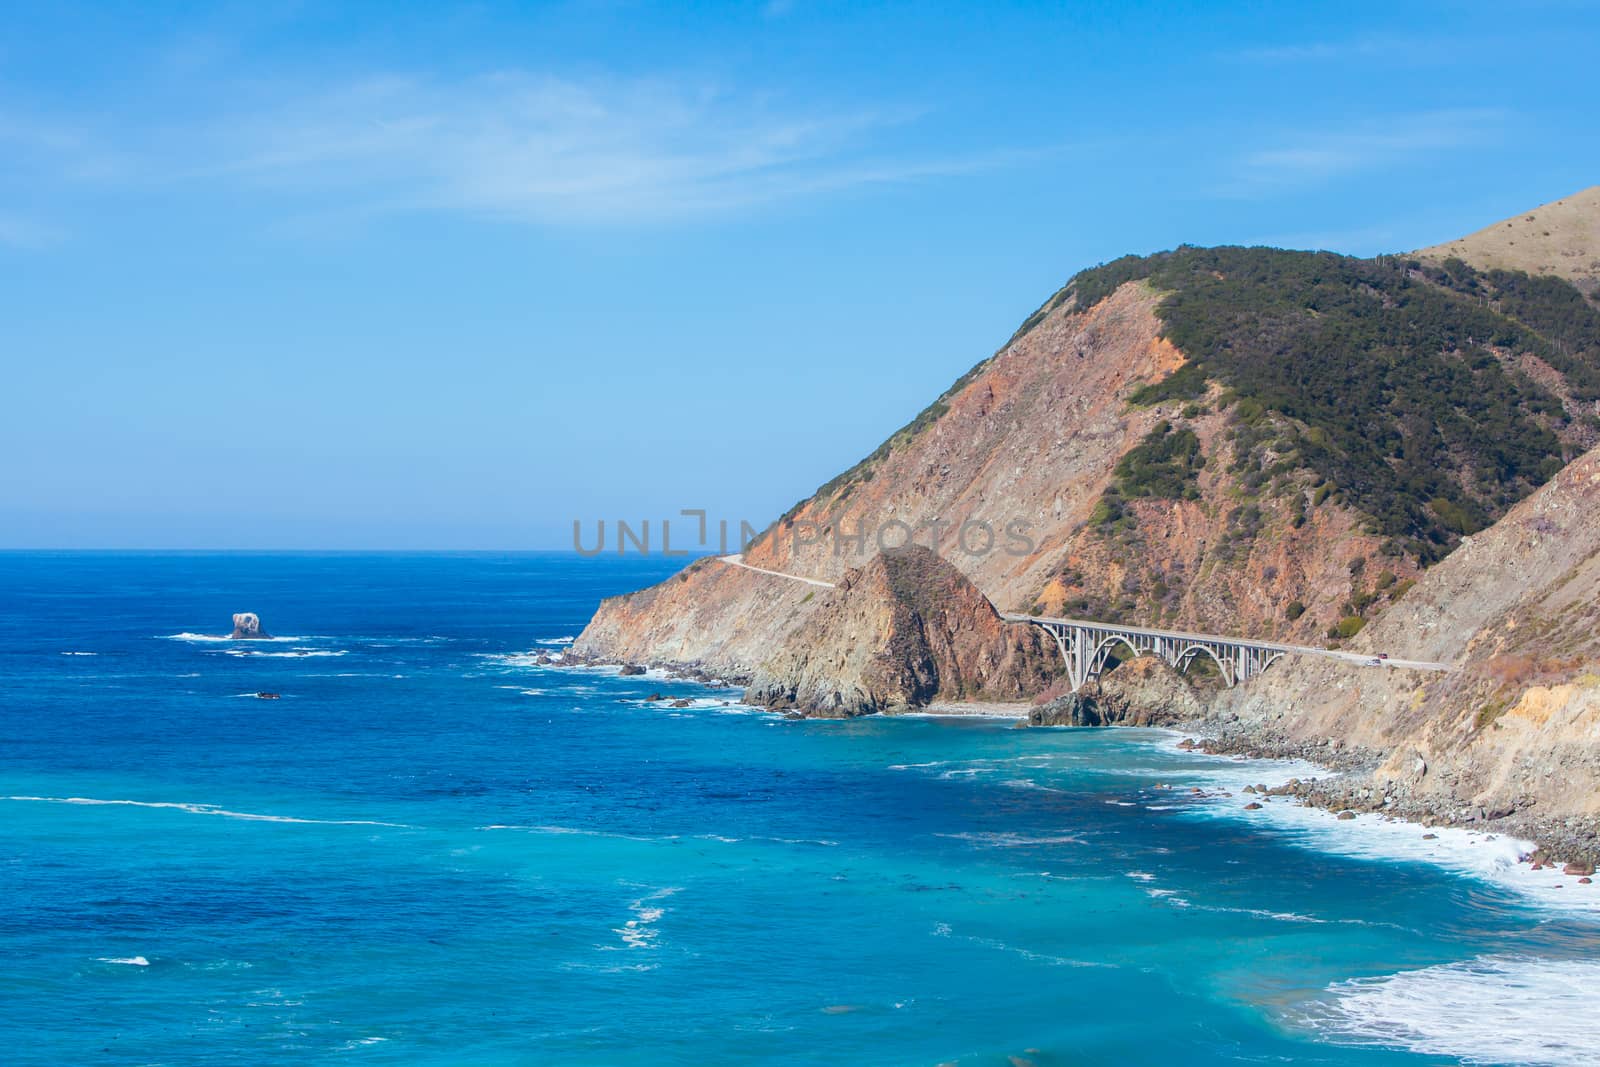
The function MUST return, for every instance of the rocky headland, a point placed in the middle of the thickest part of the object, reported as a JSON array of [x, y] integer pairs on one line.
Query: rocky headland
[[1394, 456], [904, 631]]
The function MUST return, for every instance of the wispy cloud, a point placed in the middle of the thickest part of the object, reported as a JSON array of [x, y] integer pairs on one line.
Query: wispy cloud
[[17, 231], [1388, 49], [514, 146], [1307, 156]]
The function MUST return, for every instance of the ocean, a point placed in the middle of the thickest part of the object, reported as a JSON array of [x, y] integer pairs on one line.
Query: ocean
[[431, 849]]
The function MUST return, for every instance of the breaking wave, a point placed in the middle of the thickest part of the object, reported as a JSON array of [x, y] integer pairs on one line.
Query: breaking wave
[[1492, 1009], [204, 809]]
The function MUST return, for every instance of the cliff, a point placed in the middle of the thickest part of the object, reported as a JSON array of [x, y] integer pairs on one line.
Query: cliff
[[902, 632], [1298, 446], [1513, 732], [1243, 441]]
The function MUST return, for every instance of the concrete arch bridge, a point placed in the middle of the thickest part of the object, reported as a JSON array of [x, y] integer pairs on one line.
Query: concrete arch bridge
[[1088, 646]]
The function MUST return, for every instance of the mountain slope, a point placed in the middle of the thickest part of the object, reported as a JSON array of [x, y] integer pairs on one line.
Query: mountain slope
[[1242, 441], [905, 630], [1561, 238], [1516, 727]]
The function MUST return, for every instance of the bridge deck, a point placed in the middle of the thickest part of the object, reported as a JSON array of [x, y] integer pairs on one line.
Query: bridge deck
[[1112, 629]]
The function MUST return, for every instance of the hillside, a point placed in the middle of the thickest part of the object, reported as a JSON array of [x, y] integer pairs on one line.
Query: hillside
[[1237, 440], [1561, 238], [1515, 730], [905, 630]]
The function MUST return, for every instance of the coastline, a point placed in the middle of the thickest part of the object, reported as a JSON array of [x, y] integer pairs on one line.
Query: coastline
[[1330, 778], [1336, 783]]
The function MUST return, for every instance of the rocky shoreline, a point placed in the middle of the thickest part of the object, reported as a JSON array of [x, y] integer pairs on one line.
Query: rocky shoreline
[[1353, 786], [1141, 694]]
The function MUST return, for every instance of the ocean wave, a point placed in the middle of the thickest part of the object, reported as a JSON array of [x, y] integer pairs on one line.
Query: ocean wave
[[556, 641], [1011, 840], [640, 931], [531, 659], [226, 639], [575, 830], [298, 653], [80, 653], [1492, 1009], [1031, 785], [1489, 857], [941, 929], [130, 961], [205, 809]]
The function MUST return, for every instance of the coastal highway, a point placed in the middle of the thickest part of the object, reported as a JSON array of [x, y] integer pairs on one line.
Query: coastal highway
[[1359, 659], [737, 560]]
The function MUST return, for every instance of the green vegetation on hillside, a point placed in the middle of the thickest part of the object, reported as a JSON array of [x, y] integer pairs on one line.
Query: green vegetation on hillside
[[1399, 381], [1163, 465]]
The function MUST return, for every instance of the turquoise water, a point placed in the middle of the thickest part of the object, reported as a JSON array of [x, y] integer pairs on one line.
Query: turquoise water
[[432, 851]]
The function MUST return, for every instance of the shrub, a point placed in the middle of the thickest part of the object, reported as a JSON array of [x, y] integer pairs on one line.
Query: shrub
[[1348, 627], [1164, 465], [1385, 363], [1294, 610]]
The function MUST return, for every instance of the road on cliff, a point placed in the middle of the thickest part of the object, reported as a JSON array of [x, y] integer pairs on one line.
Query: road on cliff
[[1359, 659]]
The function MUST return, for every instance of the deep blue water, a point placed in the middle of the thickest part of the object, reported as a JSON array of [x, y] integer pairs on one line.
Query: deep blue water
[[432, 851]]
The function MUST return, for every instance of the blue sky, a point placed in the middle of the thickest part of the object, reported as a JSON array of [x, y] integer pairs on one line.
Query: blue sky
[[422, 276]]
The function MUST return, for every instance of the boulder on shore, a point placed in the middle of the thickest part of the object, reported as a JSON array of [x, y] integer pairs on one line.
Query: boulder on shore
[[1141, 692], [247, 627]]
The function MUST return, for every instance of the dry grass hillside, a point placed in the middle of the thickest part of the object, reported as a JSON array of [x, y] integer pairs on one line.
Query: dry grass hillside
[[1560, 238]]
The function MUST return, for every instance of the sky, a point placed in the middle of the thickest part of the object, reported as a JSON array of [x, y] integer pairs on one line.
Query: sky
[[432, 276]]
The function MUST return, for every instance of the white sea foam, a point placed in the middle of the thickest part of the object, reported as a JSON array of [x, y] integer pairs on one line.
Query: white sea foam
[[941, 929], [1167, 896], [131, 961], [555, 641], [204, 809], [576, 830], [80, 653], [298, 653], [226, 639], [1492, 1009], [1008, 840], [1494, 858], [640, 931], [721, 705]]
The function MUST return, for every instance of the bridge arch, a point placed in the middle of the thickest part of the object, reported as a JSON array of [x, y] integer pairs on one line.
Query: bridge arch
[[1187, 655], [1102, 652]]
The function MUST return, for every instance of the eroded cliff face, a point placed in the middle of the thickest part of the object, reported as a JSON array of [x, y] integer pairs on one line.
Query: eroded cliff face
[[902, 632], [1026, 445], [1515, 727]]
